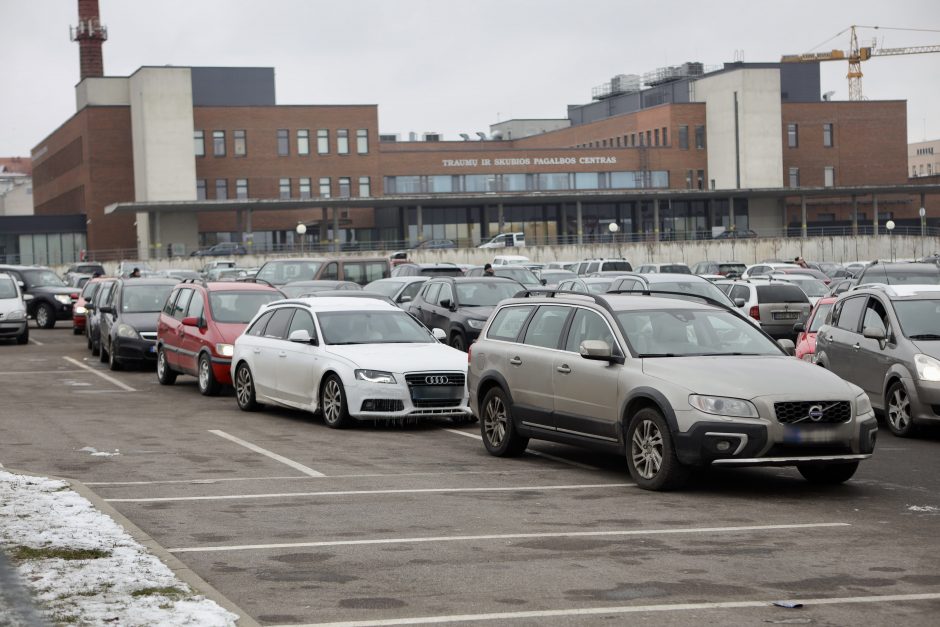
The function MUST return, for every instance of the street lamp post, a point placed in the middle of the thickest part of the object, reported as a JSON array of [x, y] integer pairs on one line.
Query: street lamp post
[[923, 231], [613, 228], [301, 231], [890, 226]]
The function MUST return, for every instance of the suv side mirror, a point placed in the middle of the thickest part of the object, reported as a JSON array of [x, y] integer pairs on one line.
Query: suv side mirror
[[302, 336], [739, 302], [439, 334], [873, 333], [799, 327], [106, 309], [404, 299], [788, 346], [445, 303], [598, 350]]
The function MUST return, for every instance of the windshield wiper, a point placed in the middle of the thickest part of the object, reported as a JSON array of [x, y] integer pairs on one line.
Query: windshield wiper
[[722, 354], [924, 336], [660, 355]]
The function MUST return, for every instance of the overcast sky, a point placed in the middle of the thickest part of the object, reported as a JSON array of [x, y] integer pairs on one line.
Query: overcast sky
[[451, 67]]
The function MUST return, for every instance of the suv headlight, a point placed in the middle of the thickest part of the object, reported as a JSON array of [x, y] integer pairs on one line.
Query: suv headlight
[[226, 350], [723, 406], [19, 314], [862, 404], [375, 376], [928, 368], [65, 299], [126, 330], [476, 324]]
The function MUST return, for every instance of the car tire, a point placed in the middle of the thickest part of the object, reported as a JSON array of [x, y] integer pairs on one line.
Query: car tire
[[828, 474], [165, 374], [76, 331], [208, 385], [102, 353], [45, 316], [500, 437], [245, 389], [651, 456], [113, 362], [898, 411], [333, 403], [88, 339], [23, 337], [458, 341]]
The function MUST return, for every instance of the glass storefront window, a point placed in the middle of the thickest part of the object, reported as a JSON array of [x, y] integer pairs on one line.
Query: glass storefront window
[[514, 182], [659, 178], [479, 183], [440, 184], [407, 184], [623, 180], [553, 181], [586, 180]]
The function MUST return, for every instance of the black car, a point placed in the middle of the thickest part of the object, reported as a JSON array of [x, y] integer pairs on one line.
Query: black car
[[222, 249], [48, 298], [427, 269], [128, 321], [460, 306], [520, 274], [93, 315]]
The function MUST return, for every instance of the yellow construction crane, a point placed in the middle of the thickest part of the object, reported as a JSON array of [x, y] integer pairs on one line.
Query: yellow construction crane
[[856, 55]]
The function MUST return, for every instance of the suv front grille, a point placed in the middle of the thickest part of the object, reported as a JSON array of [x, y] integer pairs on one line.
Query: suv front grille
[[434, 378], [810, 412], [436, 389]]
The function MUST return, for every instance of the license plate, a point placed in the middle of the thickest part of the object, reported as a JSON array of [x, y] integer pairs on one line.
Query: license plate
[[153, 349], [786, 315]]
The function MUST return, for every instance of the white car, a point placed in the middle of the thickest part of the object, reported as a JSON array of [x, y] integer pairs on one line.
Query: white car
[[353, 359], [814, 288], [505, 239], [761, 269], [12, 311], [511, 260]]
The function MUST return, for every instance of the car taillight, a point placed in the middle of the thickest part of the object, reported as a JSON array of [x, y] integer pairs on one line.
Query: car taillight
[[469, 353], [73, 296], [754, 312]]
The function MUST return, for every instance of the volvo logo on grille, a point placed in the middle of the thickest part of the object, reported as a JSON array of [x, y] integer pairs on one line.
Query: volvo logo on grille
[[436, 380], [816, 413]]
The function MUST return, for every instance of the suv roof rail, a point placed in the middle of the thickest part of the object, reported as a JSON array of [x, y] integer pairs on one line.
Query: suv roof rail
[[251, 279], [200, 281]]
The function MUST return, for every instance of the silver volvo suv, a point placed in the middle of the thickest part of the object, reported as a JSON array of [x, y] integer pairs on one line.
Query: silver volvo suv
[[670, 384]]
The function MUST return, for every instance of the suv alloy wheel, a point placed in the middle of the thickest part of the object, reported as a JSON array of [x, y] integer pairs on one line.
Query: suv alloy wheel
[[333, 403], [499, 435], [208, 386], [898, 411], [651, 456], [165, 374], [45, 316], [245, 389]]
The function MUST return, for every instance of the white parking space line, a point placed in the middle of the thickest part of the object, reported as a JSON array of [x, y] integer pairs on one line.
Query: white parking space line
[[37, 342], [107, 378], [267, 453], [624, 609], [507, 536], [45, 372], [276, 495], [477, 436]]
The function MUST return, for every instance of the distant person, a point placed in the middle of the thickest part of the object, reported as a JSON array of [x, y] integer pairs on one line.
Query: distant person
[[488, 270], [135, 273], [801, 262], [97, 274]]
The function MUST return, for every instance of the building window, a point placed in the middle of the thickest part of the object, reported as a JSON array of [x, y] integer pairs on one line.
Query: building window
[[689, 178], [701, 179], [633, 140], [240, 146], [825, 217], [304, 187], [200, 189], [362, 141], [665, 137], [199, 143], [284, 189], [283, 142], [221, 189], [793, 135], [656, 137], [323, 141], [241, 189], [345, 187], [700, 138], [364, 187], [649, 138], [794, 177], [827, 135], [684, 137], [325, 187], [342, 142], [218, 143], [829, 176], [303, 142]]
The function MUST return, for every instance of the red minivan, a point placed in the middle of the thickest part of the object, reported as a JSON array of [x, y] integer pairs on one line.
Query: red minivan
[[198, 326]]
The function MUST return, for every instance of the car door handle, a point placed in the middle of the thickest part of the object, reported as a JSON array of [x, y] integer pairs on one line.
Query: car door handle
[[515, 361], [282, 354], [256, 351], [563, 369], [856, 346]]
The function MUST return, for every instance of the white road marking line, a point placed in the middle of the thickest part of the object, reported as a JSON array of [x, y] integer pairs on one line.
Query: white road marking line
[[505, 536], [307, 478], [477, 436], [37, 342], [107, 378], [45, 372], [274, 456], [623, 609], [226, 497]]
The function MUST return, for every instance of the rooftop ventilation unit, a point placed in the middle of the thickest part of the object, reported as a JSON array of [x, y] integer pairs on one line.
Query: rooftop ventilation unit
[[433, 137], [673, 73], [620, 84]]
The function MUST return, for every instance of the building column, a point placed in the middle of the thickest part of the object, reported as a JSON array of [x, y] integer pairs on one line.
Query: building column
[[656, 219], [854, 215], [731, 226], [250, 242], [420, 224], [485, 234], [502, 217], [336, 229], [874, 209], [323, 226], [803, 216], [563, 212], [580, 223]]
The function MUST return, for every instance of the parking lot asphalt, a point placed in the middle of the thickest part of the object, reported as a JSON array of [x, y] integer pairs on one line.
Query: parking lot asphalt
[[300, 524]]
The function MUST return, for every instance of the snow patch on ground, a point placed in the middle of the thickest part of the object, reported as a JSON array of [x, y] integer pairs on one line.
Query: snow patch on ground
[[930, 509], [96, 453], [43, 513]]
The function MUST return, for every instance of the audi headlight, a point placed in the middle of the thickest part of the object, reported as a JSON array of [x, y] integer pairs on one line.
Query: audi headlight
[[476, 324], [126, 330], [65, 299], [723, 406], [79, 310], [375, 376], [862, 404], [928, 368], [19, 314], [226, 350]]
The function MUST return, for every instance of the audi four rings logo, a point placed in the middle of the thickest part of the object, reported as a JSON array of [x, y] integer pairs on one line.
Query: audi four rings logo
[[436, 380], [816, 413]]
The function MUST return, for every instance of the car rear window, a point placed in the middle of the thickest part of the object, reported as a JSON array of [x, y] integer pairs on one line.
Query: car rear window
[[442, 271], [619, 266], [675, 270], [725, 268], [781, 294]]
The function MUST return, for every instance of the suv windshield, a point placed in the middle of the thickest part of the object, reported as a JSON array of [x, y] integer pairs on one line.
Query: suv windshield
[[920, 319], [238, 307], [485, 293], [7, 288], [385, 288], [901, 274], [781, 294], [281, 272], [687, 333], [523, 275], [819, 318], [372, 327], [144, 298], [42, 278]]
